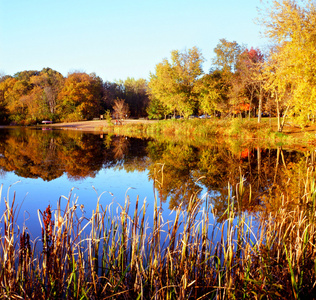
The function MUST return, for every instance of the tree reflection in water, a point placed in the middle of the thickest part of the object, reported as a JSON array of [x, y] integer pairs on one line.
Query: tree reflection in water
[[120, 145], [266, 173], [180, 171]]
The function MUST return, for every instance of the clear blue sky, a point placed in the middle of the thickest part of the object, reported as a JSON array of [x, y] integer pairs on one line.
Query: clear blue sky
[[119, 38]]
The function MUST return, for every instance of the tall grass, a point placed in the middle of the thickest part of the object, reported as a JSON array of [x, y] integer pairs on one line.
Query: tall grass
[[202, 129], [114, 254]]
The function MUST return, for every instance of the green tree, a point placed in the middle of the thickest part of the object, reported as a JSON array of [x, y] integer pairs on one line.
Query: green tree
[[212, 92], [26, 75], [156, 110], [173, 82]]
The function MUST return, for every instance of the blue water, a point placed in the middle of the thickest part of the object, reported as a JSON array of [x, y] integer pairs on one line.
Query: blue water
[[36, 194], [112, 171]]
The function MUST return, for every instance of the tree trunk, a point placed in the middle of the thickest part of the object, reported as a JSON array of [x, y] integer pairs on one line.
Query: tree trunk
[[260, 104], [277, 165], [259, 166], [278, 114], [250, 103]]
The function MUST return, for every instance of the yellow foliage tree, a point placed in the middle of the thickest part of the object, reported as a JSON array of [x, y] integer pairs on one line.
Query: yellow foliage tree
[[291, 68], [173, 82]]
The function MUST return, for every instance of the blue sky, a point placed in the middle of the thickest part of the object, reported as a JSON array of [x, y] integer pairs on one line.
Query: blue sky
[[119, 38]]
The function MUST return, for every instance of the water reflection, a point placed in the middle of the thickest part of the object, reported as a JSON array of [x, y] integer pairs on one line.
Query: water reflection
[[179, 171], [50, 154], [188, 169]]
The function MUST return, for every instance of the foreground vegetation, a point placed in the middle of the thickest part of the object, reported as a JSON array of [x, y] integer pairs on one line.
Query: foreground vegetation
[[116, 255]]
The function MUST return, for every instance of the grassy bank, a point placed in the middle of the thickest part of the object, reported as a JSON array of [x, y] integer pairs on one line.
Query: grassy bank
[[115, 255], [198, 129]]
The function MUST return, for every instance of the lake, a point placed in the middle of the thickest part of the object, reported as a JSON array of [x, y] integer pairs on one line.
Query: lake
[[42, 166]]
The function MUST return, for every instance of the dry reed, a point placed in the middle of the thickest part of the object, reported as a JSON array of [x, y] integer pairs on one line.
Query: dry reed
[[116, 255]]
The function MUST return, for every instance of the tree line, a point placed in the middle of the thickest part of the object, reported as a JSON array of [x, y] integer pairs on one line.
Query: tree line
[[31, 96], [248, 82]]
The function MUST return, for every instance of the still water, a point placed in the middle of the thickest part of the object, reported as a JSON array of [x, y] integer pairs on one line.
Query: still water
[[42, 166]]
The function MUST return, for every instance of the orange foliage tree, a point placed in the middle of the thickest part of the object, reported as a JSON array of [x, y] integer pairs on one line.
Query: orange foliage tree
[[30, 96], [80, 97]]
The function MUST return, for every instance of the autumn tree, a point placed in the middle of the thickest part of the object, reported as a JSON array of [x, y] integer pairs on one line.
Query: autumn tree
[[80, 97], [227, 55], [120, 109], [4, 87], [51, 82], [30, 96], [212, 91], [249, 71], [280, 89], [41, 101], [35, 104], [4, 112], [226, 58], [291, 69], [11, 91], [173, 82]]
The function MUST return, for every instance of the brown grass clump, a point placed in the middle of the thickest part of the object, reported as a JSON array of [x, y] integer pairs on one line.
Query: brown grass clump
[[118, 256]]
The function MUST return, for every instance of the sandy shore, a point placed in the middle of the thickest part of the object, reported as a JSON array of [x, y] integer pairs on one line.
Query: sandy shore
[[93, 125]]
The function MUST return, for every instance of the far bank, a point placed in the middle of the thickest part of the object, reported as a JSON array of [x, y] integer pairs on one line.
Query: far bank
[[243, 129]]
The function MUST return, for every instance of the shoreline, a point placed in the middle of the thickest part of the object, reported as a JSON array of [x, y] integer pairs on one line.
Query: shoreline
[[100, 126], [94, 124]]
